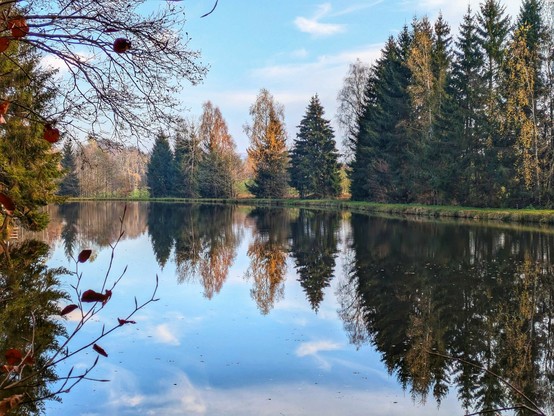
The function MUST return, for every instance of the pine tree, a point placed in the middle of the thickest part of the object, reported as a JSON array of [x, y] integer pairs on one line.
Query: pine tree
[[161, 170], [29, 168], [382, 166], [314, 166], [188, 155], [465, 118], [492, 31], [69, 186], [268, 151]]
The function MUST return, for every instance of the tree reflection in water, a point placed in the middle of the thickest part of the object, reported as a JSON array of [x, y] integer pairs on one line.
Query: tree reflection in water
[[422, 293], [442, 303], [314, 248], [268, 256], [204, 239], [29, 293]]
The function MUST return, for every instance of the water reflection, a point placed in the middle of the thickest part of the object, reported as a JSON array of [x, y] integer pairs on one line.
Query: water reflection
[[268, 256], [422, 293], [203, 237], [29, 292], [314, 248], [445, 305]]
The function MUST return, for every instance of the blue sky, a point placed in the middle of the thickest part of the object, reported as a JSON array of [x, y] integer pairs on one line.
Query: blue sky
[[295, 49]]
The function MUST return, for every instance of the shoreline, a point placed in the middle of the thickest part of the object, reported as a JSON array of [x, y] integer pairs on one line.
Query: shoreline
[[507, 215]]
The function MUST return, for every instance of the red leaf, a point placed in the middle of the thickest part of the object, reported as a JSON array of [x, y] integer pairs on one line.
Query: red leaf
[[13, 356], [4, 105], [121, 45], [4, 43], [92, 296], [51, 134], [68, 309], [18, 26], [84, 256], [99, 350], [125, 321], [7, 202]]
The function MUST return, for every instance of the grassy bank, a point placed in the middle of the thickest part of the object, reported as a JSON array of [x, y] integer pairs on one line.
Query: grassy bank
[[531, 216]]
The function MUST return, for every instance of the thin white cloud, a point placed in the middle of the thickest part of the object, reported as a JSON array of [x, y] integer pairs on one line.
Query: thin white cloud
[[56, 63], [316, 347], [315, 27], [357, 7], [299, 53], [163, 334]]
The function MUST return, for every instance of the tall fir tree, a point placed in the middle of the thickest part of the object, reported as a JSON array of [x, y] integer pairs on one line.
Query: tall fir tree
[[161, 171], [465, 118], [29, 168], [314, 168], [268, 152], [381, 168], [442, 154], [188, 155], [69, 186], [492, 31]]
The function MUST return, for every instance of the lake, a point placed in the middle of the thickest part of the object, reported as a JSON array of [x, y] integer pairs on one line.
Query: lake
[[275, 311]]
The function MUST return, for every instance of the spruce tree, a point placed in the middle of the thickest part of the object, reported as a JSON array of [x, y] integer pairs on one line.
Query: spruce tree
[[492, 31], [188, 156], [69, 186], [29, 168], [382, 164], [314, 167], [463, 124], [161, 171]]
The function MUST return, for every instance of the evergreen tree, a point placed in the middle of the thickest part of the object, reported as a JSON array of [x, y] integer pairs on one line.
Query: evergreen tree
[[29, 168], [464, 117], [314, 249], [314, 160], [161, 171], [492, 31], [382, 167], [69, 185], [268, 151], [188, 155]]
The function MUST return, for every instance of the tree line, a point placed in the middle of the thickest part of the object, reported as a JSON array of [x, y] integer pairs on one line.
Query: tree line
[[456, 121], [200, 160], [435, 120]]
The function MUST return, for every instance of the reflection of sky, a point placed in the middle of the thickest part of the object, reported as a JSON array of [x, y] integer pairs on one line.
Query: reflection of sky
[[188, 355]]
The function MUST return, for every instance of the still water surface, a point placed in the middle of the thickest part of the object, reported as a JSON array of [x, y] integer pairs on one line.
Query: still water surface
[[273, 311]]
